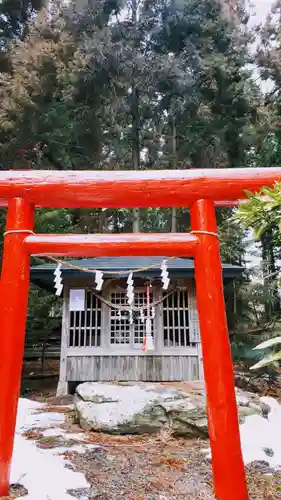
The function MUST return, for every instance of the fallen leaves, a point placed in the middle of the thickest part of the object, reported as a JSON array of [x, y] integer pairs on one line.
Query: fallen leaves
[[49, 442], [57, 409], [33, 435], [173, 462], [68, 455]]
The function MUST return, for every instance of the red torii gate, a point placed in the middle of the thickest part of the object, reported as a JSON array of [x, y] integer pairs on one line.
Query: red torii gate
[[201, 191]]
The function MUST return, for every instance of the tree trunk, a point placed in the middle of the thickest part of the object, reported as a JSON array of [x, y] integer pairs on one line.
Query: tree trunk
[[269, 268], [174, 152], [174, 220], [135, 148], [102, 220], [135, 121]]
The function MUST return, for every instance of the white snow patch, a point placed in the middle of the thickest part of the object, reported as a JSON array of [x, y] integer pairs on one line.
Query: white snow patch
[[259, 435], [31, 416], [78, 448], [79, 436], [54, 431], [41, 472]]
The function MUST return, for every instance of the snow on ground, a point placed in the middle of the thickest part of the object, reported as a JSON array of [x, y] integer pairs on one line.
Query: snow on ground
[[30, 417], [43, 472], [261, 437]]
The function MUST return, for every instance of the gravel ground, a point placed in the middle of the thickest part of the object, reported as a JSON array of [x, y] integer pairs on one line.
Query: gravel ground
[[159, 468], [146, 468], [149, 468]]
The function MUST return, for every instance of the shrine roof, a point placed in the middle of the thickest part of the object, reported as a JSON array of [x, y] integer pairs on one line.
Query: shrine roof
[[42, 275]]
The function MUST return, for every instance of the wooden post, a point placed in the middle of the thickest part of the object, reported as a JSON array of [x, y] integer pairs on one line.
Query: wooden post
[[228, 468], [194, 328], [62, 389], [14, 302], [158, 322]]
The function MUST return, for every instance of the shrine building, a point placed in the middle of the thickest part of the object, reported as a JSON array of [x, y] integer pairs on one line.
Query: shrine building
[[104, 339]]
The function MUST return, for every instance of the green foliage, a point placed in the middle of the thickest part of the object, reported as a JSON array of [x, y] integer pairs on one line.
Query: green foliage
[[214, 100], [262, 213], [14, 16], [166, 87], [271, 358], [40, 306]]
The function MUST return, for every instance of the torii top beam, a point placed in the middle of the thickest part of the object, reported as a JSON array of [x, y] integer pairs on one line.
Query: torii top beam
[[114, 189]]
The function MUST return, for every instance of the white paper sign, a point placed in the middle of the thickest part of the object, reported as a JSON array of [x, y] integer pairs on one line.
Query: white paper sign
[[77, 300]]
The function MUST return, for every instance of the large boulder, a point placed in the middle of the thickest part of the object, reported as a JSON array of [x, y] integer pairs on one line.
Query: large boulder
[[137, 408]]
